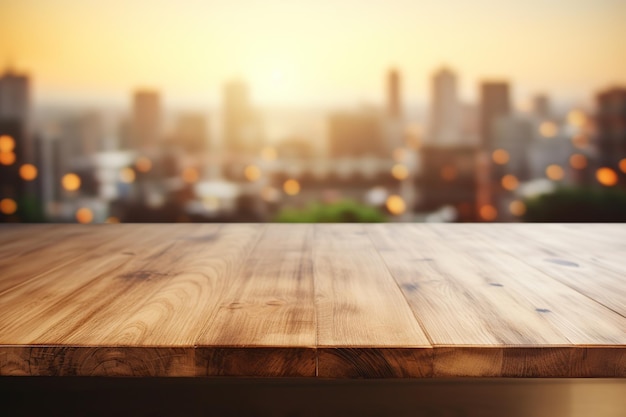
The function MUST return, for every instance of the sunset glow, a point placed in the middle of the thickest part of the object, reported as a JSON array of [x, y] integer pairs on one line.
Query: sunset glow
[[309, 51]]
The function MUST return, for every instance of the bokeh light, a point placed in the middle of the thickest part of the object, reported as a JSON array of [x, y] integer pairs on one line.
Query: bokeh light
[[127, 175], [606, 176], [517, 208], [143, 164], [400, 172], [8, 206], [84, 215], [291, 187], [580, 141], [509, 182], [190, 175], [488, 212], [28, 172], [252, 173], [7, 158], [555, 172], [578, 161], [622, 165], [395, 204], [71, 182], [548, 129], [500, 156], [576, 118], [7, 143]]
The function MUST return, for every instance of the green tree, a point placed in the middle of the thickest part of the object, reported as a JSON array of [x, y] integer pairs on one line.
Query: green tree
[[575, 204], [344, 211]]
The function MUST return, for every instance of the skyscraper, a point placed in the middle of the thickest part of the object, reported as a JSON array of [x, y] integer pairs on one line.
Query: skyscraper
[[445, 117], [240, 125], [541, 106], [16, 146], [15, 108], [611, 129], [495, 102], [394, 94], [146, 119]]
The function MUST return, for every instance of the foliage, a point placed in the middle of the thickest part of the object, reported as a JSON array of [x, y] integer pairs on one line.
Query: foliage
[[30, 210], [344, 211], [578, 205]]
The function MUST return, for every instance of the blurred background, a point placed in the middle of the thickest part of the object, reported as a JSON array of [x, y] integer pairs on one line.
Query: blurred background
[[312, 111]]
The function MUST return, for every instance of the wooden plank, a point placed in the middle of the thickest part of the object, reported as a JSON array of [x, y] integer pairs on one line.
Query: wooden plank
[[167, 302], [175, 310], [144, 303], [266, 303], [96, 361], [483, 309], [458, 299], [336, 301], [530, 361], [55, 304], [580, 319], [591, 263], [52, 247], [361, 312]]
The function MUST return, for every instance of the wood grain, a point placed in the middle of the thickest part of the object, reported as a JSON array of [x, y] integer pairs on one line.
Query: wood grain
[[458, 299], [360, 307], [328, 301], [54, 307], [266, 302], [575, 257], [580, 319], [96, 361]]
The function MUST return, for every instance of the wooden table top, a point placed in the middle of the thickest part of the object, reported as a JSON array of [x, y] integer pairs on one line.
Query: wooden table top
[[332, 301]]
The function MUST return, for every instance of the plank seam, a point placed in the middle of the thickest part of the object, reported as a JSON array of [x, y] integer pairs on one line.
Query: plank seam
[[419, 322]]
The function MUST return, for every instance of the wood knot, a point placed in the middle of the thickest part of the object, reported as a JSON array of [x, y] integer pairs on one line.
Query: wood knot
[[562, 262], [410, 286]]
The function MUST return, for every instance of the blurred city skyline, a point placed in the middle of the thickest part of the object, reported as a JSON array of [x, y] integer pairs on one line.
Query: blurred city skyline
[[299, 111], [311, 53]]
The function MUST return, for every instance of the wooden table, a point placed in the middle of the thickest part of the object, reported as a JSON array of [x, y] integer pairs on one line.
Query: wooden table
[[316, 301]]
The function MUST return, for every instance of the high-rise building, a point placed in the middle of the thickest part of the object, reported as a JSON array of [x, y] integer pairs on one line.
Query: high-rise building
[[394, 94], [393, 123], [611, 129], [495, 102], [83, 135], [445, 117], [240, 125], [15, 108], [146, 129], [541, 106], [514, 134], [16, 146], [469, 125]]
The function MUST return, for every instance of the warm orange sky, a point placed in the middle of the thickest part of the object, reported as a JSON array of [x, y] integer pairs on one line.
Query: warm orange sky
[[299, 51]]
